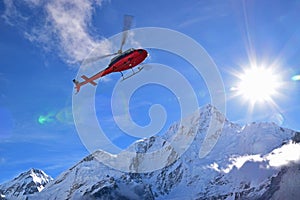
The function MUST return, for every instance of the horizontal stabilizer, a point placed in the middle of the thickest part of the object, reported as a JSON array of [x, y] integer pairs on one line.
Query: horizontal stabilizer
[[89, 80]]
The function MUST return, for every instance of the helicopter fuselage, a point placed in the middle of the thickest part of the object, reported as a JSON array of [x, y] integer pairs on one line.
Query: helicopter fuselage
[[126, 60]]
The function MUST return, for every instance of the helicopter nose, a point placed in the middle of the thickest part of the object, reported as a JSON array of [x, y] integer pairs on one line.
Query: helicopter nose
[[143, 52]]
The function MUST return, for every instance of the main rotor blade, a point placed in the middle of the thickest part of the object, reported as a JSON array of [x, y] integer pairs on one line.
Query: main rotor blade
[[96, 58], [127, 25]]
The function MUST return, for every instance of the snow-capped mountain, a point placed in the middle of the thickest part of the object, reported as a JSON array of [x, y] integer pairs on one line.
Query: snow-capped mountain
[[25, 184], [256, 161]]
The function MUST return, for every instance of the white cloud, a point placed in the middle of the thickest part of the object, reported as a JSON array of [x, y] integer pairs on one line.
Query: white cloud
[[35, 2], [61, 26], [70, 21], [236, 162], [11, 15], [283, 156]]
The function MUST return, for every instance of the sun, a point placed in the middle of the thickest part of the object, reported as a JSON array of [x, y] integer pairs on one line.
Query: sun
[[258, 84]]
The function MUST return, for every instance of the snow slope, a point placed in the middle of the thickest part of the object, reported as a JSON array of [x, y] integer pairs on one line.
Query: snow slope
[[25, 184], [256, 161]]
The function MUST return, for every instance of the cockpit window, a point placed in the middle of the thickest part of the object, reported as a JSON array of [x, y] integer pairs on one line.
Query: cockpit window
[[128, 51], [118, 57]]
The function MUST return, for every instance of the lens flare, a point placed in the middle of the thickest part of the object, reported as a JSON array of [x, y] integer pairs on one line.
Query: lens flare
[[296, 78], [43, 119], [65, 116]]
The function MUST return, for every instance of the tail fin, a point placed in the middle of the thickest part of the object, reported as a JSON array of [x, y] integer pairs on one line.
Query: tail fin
[[77, 85]]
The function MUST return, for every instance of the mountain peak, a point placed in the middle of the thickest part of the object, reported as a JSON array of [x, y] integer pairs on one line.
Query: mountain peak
[[31, 172], [243, 164], [29, 182]]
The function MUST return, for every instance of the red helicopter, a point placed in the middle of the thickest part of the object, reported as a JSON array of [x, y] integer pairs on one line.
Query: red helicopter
[[123, 61]]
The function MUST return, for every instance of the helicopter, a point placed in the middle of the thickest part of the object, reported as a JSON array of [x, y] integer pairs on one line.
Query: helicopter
[[121, 62]]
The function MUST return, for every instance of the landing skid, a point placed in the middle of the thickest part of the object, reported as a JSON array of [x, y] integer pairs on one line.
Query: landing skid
[[133, 73]]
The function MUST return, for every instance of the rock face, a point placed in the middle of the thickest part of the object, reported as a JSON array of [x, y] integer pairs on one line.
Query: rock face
[[26, 184], [256, 161]]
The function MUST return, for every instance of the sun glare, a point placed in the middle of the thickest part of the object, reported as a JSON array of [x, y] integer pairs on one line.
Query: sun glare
[[258, 84]]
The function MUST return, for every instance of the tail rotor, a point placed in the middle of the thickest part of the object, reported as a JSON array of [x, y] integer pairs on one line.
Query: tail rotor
[[77, 85]]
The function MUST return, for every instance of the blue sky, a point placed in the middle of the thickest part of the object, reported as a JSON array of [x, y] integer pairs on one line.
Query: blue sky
[[40, 51]]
